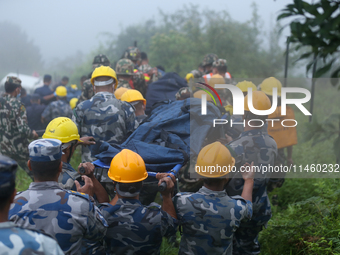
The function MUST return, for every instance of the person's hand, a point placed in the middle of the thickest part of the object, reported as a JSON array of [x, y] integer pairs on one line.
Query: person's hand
[[290, 161], [87, 188], [35, 135], [248, 171], [170, 182], [87, 140], [88, 169]]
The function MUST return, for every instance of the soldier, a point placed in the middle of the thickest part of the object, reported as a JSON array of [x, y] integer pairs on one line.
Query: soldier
[[69, 217], [34, 113], [253, 145], [15, 131], [124, 69], [104, 117], [209, 217], [72, 92], [46, 94], [87, 89], [133, 227], [134, 55], [136, 99], [59, 108], [14, 239], [64, 81], [220, 67], [208, 61]]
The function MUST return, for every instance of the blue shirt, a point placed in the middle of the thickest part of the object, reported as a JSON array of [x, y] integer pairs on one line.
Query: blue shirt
[[34, 116], [44, 91]]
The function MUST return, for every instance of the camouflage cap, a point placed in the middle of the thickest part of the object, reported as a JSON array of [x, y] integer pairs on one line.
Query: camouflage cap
[[209, 59], [220, 62], [132, 53], [43, 150], [13, 80], [183, 93], [100, 60], [124, 67]]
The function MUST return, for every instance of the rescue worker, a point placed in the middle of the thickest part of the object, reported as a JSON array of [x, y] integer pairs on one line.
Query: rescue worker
[[64, 130], [70, 217], [136, 99], [104, 118], [134, 55], [15, 131], [119, 92], [59, 108], [72, 92], [64, 81], [253, 145], [209, 217], [87, 88], [15, 239], [46, 94], [133, 227], [124, 71]]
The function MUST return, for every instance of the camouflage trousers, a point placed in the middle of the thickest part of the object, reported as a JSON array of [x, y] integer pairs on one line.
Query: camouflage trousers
[[245, 241]]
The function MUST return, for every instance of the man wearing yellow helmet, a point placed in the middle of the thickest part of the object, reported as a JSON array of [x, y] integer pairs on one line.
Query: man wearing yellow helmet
[[59, 108], [253, 145], [209, 217], [133, 227], [64, 130], [136, 99]]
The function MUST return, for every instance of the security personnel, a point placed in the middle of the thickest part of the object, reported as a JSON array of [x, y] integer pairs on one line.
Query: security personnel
[[209, 217], [14, 239], [34, 112], [64, 130], [220, 67], [87, 88], [124, 71], [46, 94], [69, 217], [72, 92], [136, 99], [103, 116], [59, 108], [133, 227], [15, 131], [253, 145]]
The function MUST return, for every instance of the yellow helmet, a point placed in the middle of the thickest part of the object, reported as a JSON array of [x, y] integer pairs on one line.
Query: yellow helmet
[[214, 155], [133, 95], [119, 92], [189, 76], [216, 79], [61, 91], [73, 102], [199, 93], [74, 86], [260, 101], [62, 129], [104, 71], [244, 85], [127, 167], [268, 84]]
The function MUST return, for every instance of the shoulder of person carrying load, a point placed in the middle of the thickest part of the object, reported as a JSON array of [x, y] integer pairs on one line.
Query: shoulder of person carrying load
[[283, 136]]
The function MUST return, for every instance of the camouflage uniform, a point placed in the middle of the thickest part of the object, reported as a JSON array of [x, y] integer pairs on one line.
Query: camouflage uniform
[[105, 118], [68, 176], [57, 109], [124, 67], [258, 147], [66, 215], [209, 219], [209, 59], [144, 68], [15, 131], [87, 89], [136, 229], [132, 53], [16, 240]]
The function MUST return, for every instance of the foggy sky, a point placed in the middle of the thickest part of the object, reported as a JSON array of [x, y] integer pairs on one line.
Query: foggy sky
[[62, 27]]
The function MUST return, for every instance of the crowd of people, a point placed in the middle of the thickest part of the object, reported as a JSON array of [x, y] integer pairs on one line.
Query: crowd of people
[[72, 211]]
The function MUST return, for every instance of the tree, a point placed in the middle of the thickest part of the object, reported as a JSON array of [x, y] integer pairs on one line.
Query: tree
[[316, 26], [17, 53]]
